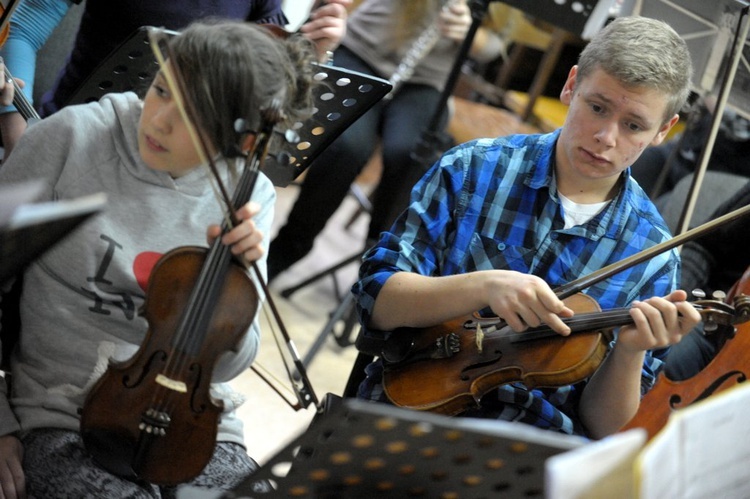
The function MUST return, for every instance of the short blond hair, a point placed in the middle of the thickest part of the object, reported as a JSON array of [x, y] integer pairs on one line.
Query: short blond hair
[[640, 51]]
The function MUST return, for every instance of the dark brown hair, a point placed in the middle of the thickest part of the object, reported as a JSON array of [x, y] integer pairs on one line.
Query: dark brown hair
[[232, 70]]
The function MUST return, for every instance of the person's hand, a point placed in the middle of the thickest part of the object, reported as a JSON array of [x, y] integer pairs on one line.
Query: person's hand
[[525, 300], [245, 239], [6, 88], [658, 322], [12, 479], [327, 26], [12, 124], [454, 20]]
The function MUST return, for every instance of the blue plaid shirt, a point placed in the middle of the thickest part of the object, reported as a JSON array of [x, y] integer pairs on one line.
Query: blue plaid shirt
[[493, 204]]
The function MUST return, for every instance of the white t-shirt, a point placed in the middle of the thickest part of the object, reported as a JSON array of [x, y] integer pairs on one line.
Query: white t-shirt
[[578, 214]]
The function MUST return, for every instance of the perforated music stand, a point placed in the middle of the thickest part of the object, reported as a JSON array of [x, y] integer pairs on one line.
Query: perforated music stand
[[341, 98], [366, 449]]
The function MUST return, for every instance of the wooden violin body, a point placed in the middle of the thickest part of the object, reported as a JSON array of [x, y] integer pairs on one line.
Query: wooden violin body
[[453, 384], [451, 366], [152, 416], [730, 366]]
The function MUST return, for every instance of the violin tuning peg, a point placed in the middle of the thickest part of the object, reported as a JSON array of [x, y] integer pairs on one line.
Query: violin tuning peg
[[719, 295], [242, 126], [698, 293]]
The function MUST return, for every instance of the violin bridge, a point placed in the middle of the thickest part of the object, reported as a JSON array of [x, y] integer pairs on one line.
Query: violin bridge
[[172, 384], [479, 337]]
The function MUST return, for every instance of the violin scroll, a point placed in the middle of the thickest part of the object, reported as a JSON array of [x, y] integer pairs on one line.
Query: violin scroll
[[717, 314]]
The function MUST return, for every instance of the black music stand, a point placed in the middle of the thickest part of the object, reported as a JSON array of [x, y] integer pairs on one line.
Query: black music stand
[[25, 238], [365, 449], [341, 98]]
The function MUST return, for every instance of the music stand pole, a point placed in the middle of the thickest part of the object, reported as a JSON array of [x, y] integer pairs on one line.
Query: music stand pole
[[743, 26], [433, 140], [426, 152]]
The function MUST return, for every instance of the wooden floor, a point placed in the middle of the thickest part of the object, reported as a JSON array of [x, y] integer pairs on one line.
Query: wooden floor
[[472, 120]]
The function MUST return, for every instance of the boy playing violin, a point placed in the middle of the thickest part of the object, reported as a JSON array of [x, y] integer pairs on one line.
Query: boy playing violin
[[499, 223], [81, 299]]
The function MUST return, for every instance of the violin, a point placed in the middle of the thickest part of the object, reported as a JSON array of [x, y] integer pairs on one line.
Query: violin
[[730, 366], [451, 366], [151, 417], [20, 101]]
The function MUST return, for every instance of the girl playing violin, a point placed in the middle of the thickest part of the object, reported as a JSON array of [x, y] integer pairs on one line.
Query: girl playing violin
[[498, 223], [80, 301]]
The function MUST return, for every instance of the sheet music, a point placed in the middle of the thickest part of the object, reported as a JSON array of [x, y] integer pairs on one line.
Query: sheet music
[[599, 469], [702, 452]]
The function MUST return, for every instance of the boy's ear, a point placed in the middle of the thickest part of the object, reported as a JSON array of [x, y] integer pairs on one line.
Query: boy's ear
[[566, 94], [664, 130]]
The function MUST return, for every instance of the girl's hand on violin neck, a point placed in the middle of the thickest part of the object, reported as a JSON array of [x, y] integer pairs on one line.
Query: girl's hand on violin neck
[[658, 322], [12, 479], [245, 239], [525, 300], [327, 26]]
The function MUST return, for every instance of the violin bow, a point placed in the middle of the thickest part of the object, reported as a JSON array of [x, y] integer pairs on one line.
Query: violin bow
[[584, 282], [301, 385], [7, 10]]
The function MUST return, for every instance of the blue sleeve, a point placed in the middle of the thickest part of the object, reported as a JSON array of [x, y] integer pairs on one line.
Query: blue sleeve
[[30, 26], [421, 239]]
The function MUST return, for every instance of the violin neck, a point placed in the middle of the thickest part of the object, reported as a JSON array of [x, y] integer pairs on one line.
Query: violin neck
[[20, 101], [590, 321]]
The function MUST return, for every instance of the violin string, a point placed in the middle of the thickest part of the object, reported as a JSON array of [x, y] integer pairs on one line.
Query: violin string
[[172, 76], [576, 323], [586, 321]]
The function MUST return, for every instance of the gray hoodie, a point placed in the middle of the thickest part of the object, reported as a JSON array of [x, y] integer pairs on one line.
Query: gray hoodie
[[81, 301]]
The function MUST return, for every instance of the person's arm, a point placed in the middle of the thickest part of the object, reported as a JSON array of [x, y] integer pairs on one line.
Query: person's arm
[[30, 26], [411, 300], [454, 22], [613, 393]]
